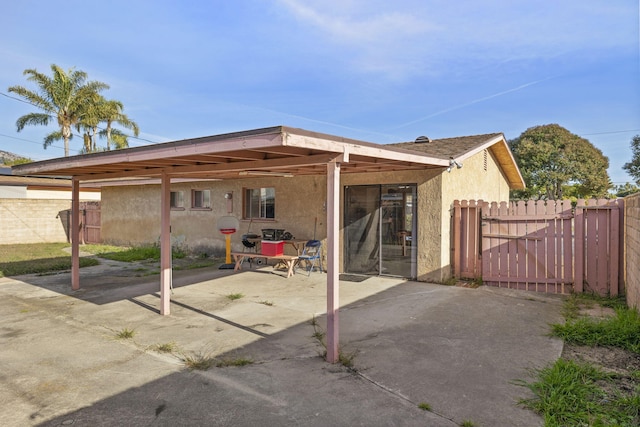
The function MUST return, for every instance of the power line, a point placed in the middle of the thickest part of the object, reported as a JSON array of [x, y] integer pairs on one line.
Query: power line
[[98, 127]]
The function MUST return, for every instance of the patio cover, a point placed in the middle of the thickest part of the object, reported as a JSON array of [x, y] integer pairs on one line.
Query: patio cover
[[276, 151]]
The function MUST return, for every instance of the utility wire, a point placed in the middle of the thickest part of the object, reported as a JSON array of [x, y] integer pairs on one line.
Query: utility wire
[[98, 127]]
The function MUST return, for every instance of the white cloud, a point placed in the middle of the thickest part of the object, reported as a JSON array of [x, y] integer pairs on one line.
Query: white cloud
[[406, 38]]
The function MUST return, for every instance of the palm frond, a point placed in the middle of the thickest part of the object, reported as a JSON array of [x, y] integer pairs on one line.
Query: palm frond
[[32, 119], [53, 137]]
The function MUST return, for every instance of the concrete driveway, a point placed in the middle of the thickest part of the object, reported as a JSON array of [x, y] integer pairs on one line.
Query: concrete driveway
[[456, 349]]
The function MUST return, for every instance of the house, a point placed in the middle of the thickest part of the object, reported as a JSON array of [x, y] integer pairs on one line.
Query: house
[[380, 209], [37, 207], [394, 222], [394, 215]]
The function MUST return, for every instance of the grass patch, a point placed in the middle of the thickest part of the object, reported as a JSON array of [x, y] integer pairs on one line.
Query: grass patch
[[138, 253], [168, 347], [240, 361], [37, 258], [622, 330], [234, 297], [198, 361], [204, 361], [467, 423], [568, 394], [424, 406], [125, 334]]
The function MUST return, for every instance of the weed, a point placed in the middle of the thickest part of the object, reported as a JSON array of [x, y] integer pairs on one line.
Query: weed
[[204, 361], [424, 406], [240, 361], [265, 302], [467, 423], [451, 281], [319, 336], [620, 331], [567, 393], [169, 347], [347, 359], [236, 296], [125, 334], [198, 361]]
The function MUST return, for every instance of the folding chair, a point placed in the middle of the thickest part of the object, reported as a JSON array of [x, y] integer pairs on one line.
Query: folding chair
[[311, 255]]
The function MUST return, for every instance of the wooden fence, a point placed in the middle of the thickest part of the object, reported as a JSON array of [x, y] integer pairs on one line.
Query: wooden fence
[[546, 246]]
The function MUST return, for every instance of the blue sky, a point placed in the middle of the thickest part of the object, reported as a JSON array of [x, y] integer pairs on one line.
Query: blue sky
[[377, 71]]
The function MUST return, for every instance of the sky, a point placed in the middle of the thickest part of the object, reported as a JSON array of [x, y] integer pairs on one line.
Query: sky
[[372, 70]]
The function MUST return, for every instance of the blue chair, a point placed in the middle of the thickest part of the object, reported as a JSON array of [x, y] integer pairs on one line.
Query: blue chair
[[311, 255]]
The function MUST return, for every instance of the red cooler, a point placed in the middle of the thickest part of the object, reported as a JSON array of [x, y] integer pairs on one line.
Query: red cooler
[[272, 247]]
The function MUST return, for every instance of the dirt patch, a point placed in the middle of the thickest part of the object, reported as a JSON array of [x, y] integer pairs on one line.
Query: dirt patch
[[623, 365]]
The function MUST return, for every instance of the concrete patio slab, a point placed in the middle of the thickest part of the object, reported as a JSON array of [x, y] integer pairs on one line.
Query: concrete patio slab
[[457, 349]]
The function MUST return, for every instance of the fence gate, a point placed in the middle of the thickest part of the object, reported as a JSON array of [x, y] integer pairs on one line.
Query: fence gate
[[90, 219], [539, 245]]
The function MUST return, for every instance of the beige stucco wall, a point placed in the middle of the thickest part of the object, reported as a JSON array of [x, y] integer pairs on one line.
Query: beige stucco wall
[[632, 249], [428, 236], [33, 221], [473, 181], [131, 214]]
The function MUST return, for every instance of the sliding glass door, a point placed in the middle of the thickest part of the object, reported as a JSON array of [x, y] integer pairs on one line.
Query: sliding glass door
[[379, 223]]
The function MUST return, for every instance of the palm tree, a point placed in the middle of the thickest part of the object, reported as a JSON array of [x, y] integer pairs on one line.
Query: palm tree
[[65, 97], [112, 113]]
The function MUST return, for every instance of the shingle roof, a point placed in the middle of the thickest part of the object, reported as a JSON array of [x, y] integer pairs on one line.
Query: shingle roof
[[446, 148]]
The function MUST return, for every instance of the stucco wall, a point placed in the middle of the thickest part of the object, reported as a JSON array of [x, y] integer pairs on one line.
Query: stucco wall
[[428, 236], [131, 215], [632, 249], [33, 221], [473, 181]]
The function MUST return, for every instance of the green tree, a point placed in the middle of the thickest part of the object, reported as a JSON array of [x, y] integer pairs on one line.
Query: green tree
[[64, 97], [626, 190], [633, 167], [552, 158], [18, 161]]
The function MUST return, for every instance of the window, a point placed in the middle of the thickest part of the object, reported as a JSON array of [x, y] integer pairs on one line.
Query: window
[[201, 199], [260, 203], [177, 200]]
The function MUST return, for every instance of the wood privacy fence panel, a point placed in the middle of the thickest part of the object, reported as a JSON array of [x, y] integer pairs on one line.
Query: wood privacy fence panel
[[598, 246], [540, 245], [90, 222]]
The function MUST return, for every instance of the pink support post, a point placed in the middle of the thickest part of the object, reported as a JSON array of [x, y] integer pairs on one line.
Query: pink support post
[[75, 234], [165, 246], [333, 239]]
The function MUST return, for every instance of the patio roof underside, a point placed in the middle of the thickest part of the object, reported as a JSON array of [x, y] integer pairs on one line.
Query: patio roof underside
[[278, 150]]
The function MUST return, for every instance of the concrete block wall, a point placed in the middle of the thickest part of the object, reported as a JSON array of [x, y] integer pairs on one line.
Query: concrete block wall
[[33, 220], [632, 249]]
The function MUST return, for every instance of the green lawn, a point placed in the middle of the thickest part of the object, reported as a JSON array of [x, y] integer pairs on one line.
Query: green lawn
[[41, 258], [37, 258]]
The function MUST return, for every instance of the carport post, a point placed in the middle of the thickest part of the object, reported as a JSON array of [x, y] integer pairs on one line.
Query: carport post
[[74, 233], [333, 239], [165, 245]]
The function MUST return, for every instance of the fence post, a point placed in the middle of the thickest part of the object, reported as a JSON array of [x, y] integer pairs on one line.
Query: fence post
[[578, 276]]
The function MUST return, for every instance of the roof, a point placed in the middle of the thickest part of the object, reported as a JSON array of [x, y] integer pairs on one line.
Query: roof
[[34, 182], [463, 147], [277, 150]]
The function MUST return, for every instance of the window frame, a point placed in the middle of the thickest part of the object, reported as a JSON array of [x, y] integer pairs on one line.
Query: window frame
[[269, 207], [173, 200], [205, 204]]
